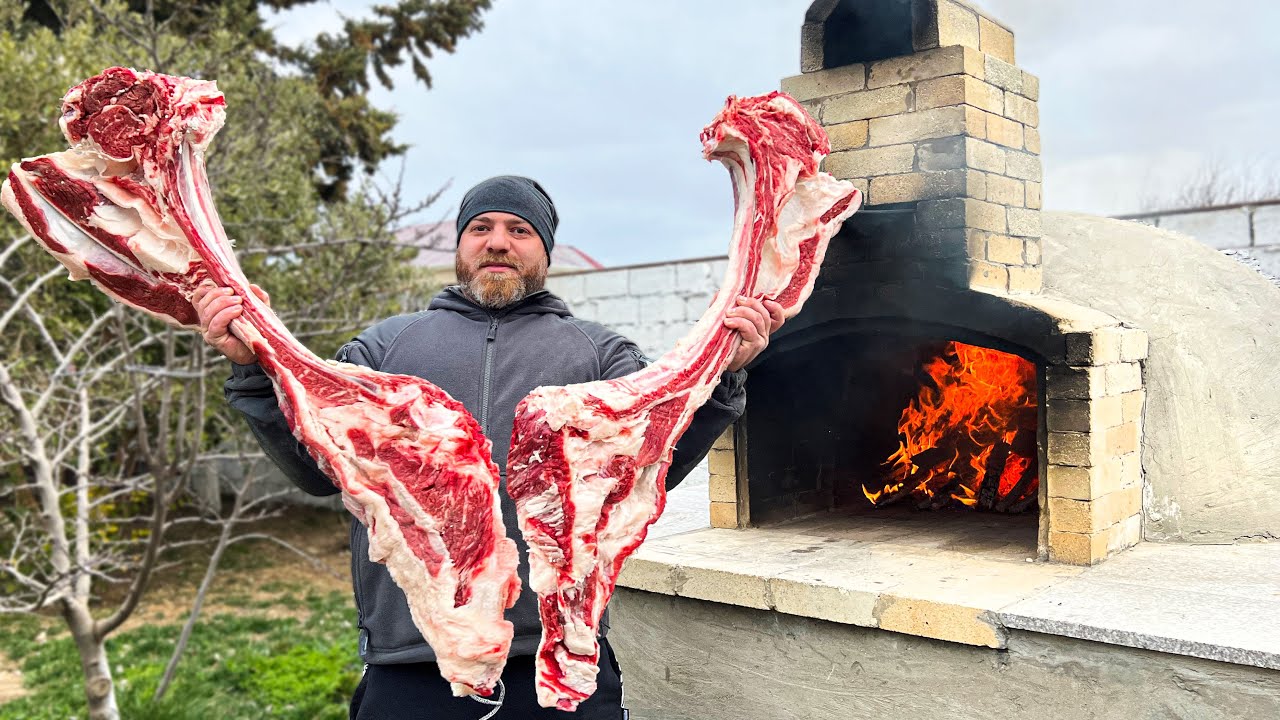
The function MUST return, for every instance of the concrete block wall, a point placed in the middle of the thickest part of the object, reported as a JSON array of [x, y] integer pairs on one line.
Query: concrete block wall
[[654, 305], [1251, 229]]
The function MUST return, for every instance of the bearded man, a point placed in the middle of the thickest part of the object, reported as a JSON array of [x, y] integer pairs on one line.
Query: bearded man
[[487, 341]]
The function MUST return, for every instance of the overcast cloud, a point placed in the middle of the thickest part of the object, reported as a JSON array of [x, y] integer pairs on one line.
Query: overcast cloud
[[603, 102]]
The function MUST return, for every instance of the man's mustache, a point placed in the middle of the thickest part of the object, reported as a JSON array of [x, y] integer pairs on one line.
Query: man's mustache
[[497, 260]]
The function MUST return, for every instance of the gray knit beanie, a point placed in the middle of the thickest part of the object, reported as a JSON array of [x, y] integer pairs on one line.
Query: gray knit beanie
[[518, 196]]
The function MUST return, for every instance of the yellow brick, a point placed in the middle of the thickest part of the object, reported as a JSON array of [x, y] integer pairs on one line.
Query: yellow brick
[[975, 183], [976, 243], [1134, 345], [1003, 131], [925, 65], [1004, 249], [870, 162], [1033, 250], [1075, 448], [825, 83], [1131, 405], [1092, 516], [1021, 109], [1006, 191], [922, 125], [723, 489], [1034, 200], [963, 212], [1100, 346], [1031, 139], [1068, 481], [1074, 548], [957, 25], [1124, 534], [984, 156], [1030, 86], [1077, 383], [1089, 483], [882, 102], [958, 90], [995, 40], [1124, 439], [1123, 377], [722, 462], [724, 515], [988, 275], [1089, 416], [918, 186], [940, 92], [1093, 548], [1026, 279], [975, 122], [848, 136], [1072, 516]]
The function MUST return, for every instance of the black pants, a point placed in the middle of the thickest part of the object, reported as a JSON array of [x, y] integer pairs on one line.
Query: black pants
[[417, 692]]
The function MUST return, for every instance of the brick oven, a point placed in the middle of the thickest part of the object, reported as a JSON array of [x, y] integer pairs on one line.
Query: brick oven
[[934, 503], [930, 115]]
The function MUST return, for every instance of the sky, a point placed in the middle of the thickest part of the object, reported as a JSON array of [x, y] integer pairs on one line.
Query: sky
[[603, 102]]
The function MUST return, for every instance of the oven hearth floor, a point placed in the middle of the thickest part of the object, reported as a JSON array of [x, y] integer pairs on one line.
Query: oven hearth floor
[[974, 584]]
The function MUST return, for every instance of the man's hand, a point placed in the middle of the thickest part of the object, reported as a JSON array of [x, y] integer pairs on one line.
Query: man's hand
[[217, 307], [755, 321]]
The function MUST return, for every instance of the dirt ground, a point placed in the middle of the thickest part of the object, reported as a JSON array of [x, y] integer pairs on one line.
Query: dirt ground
[[251, 571], [10, 680]]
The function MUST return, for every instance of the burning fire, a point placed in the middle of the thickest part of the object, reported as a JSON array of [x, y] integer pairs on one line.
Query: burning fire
[[969, 436]]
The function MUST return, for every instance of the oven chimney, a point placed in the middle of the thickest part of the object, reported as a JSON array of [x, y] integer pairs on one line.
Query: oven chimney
[[927, 110]]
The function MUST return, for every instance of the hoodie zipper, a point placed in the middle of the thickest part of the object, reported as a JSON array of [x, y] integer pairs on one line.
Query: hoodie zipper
[[488, 374]]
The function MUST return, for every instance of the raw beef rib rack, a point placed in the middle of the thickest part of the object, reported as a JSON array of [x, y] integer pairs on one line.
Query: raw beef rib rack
[[129, 207], [588, 462]]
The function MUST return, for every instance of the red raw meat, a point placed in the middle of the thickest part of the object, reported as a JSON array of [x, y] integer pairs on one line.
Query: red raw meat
[[129, 207], [588, 462]]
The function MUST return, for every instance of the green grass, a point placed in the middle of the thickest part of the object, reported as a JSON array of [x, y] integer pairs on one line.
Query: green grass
[[236, 666]]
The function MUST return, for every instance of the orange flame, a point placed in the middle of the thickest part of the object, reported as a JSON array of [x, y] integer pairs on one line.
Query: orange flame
[[969, 436]]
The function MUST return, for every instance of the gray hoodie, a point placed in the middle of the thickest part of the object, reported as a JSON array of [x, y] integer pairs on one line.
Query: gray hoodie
[[489, 361]]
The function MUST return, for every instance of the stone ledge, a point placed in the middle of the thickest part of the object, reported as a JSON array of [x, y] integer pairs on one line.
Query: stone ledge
[[1217, 602], [913, 590], [1212, 602]]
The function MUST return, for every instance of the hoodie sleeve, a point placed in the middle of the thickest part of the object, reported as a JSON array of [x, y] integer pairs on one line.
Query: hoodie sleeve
[[251, 393], [620, 356]]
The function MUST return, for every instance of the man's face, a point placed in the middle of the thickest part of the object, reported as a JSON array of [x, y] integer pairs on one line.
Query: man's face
[[500, 259]]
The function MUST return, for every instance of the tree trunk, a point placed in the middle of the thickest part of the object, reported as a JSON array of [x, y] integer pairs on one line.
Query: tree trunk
[[99, 689], [211, 570]]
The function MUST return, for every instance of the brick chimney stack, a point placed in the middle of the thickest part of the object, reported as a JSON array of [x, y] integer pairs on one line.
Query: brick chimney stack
[[926, 108]]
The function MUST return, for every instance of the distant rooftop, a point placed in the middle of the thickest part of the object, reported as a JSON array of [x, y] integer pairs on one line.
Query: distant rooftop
[[438, 241]]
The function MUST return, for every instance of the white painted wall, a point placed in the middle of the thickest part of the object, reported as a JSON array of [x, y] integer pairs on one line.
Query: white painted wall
[[1251, 230], [654, 305]]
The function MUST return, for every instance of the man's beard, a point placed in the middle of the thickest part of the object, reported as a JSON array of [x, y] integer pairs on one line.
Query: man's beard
[[495, 291]]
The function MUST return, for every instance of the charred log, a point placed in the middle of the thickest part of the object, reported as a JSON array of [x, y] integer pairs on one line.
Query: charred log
[[989, 491], [1015, 496], [926, 463]]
